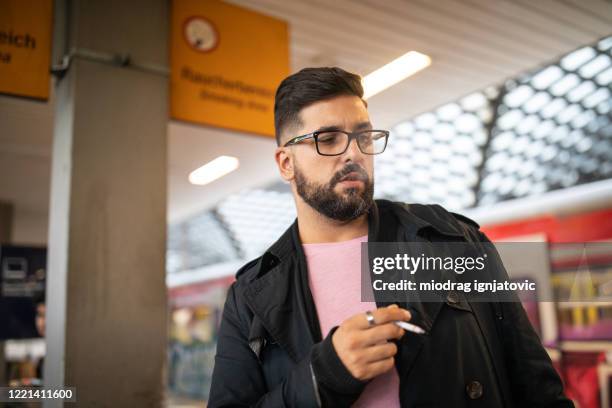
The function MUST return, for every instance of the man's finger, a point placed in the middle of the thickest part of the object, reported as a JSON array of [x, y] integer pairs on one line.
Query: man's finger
[[379, 333], [379, 352], [379, 367], [381, 316]]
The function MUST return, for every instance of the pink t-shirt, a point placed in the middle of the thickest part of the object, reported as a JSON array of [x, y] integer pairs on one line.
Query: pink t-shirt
[[334, 275]]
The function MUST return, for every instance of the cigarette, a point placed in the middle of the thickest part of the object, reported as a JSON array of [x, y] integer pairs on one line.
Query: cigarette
[[409, 327]]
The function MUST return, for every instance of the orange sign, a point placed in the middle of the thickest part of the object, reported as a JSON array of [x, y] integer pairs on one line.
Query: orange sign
[[25, 47], [226, 63]]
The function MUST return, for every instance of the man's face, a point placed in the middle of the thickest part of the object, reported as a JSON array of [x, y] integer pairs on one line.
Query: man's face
[[339, 187]]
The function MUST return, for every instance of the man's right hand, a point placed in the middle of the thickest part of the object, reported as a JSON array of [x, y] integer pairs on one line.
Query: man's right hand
[[365, 350]]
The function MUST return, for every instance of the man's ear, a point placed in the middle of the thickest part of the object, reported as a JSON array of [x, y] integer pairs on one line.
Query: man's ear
[[284, 161]]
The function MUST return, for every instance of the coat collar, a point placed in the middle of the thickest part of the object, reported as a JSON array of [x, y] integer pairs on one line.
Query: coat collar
[[277, 295]]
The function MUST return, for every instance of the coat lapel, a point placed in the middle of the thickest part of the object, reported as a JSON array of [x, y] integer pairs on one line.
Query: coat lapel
[[275, 299], [414, 223]]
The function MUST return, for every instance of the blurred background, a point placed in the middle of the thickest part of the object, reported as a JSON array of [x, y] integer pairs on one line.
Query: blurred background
[[116, 255]]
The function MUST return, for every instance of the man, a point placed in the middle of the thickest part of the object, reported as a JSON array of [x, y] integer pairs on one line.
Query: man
[[294, 330]]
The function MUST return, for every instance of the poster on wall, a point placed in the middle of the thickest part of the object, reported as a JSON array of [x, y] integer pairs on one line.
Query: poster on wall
[[526, 257], [226, 63], [25, 47], [195, 318], [22, 287]]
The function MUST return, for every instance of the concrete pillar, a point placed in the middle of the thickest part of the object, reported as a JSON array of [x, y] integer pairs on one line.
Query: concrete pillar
[[6, 222], [6, 228], [106, 294]]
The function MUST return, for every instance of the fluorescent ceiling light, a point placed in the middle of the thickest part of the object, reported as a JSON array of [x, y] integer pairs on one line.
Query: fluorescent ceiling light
[[394, 72], [212, 170]]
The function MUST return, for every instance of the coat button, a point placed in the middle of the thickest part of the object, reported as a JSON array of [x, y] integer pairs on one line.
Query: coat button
[[452, 297], [474, 389]]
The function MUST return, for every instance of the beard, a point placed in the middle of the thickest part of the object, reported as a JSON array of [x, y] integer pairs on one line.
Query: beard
[[346, 206]]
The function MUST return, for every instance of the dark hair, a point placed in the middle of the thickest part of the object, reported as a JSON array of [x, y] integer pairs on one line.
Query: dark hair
[[38, 298], [308, 86]]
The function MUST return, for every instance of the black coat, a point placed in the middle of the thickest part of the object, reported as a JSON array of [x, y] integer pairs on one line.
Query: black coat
[[270, 351]]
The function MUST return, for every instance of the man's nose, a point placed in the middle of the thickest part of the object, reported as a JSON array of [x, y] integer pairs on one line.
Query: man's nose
[[352, 151]]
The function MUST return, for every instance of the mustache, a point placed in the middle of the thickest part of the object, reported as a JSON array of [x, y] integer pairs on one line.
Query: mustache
[[351, 168]]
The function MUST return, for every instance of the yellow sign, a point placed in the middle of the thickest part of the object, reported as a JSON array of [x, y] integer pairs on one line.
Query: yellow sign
[[25, 47], [226, 63]]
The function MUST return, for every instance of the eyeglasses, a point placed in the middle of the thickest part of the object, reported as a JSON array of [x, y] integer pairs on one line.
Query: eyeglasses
[[336, 142]]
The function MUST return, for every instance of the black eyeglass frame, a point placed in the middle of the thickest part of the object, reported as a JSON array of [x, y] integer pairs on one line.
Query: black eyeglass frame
[[351, 135]]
